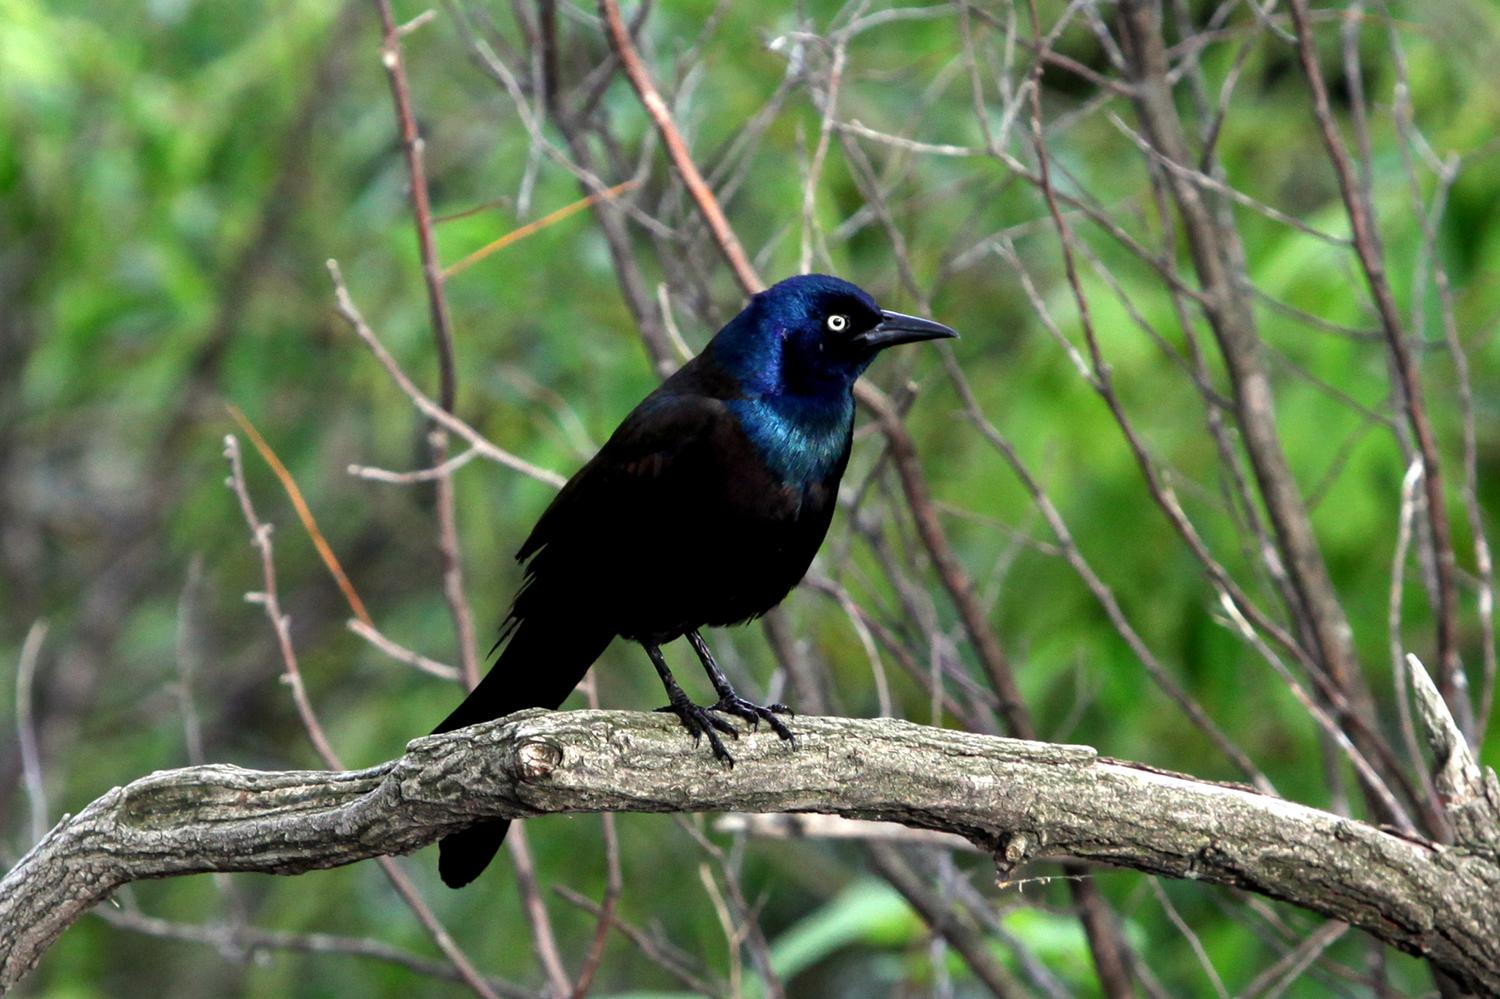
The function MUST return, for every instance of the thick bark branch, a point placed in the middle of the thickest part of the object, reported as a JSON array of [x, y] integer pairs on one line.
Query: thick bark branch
[[1020, 800]]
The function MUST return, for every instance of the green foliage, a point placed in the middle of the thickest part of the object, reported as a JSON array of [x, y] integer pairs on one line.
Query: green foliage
[[173, 176]]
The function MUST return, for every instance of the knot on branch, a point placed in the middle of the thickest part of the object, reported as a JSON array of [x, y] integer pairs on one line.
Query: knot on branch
[[1013, 850], [536, 760]]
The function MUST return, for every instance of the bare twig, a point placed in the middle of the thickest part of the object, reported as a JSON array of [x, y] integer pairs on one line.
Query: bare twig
[[187, 659], [533, 227], [734, 935], [1101, 591], [941, 919], [260, 534], [442, 332], [476, 440], [739, 918], [267, 598], [543, 938], [614, 884], [1409, 484], [955, 578], [446, 468], [1373, 781], [674, 964], [245, 941], [304, 514], [1275, 978], [1412, 147], [682, 160], [401, 653], [1186, 930], [414, 147], [1367, 246], [31, 757], [815, 166]]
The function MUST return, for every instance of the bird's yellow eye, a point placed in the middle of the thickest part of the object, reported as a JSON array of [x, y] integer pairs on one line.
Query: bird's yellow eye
[[838, 323]]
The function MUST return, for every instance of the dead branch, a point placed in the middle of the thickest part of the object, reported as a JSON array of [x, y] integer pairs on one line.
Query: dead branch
[[1019, 800]]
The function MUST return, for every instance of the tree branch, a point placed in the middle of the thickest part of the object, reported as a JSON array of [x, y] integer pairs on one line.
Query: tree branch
[[651, 99], [1451, 680], [1019, 800]]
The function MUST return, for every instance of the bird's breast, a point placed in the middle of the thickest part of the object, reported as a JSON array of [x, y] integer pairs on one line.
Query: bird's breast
[[803, 443]]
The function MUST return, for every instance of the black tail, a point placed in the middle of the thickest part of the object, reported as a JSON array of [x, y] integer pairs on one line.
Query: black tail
[[542, 662]]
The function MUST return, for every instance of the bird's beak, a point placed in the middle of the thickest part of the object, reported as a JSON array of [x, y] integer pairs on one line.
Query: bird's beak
[[896, 328]]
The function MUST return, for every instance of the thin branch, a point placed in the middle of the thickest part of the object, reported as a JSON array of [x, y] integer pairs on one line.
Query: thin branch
[[537, 225], [1393, 615], [1196, 944], [734, 936], [1373, 781], [1447, 171], [815, 166], [304, 514], [674, 964], [247, 941], [31, 756], [1101, 591], [542, 936], [747, 932], [439, 471], [269, 600], [401, 653], [651, 99], [1210, 183], [1276, 977], [614, 883], [260, 534], [476, 440], [414, 147], [442, 332], [940, 918], [954, 576], [1367, 247]]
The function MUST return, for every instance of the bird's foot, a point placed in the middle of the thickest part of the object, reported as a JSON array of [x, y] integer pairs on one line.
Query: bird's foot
[[702, 723], [734, 704]]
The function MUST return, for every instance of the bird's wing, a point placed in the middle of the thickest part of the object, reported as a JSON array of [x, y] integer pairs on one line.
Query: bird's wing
[[642, 457]]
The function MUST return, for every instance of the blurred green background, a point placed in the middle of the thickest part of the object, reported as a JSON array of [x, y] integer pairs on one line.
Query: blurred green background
[[173, 175]]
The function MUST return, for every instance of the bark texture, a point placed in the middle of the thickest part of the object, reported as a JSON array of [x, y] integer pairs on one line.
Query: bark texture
[[1016, 799]]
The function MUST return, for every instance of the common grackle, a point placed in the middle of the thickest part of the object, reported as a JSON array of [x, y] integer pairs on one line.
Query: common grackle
[[705, 507]]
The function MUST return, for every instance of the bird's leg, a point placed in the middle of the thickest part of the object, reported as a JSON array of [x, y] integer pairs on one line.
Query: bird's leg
[[698, 720], [732, 703]]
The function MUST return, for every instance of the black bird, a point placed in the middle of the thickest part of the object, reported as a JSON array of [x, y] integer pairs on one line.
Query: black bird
[[705, 507]]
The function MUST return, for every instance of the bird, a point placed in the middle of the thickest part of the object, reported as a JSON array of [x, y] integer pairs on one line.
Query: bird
[[703, 509]]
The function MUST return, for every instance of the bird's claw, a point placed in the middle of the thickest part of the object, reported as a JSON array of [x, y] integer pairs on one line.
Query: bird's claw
[[733, 704], [704, 722], [701, 723]]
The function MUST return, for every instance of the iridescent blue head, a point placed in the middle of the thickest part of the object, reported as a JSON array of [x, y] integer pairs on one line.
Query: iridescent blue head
[[812, 336]]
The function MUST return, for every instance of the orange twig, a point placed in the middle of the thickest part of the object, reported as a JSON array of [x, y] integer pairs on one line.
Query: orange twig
[[516, 235], [304, 513], [687, 170]]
